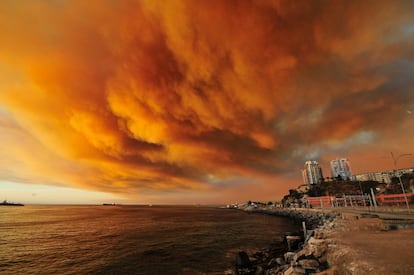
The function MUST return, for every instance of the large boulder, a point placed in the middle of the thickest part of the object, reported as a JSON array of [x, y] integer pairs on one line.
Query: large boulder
[[259, 270], [272, 263], [295, 270], [280, 261], [277, 270], [309, 264], [319, 234], [317, 247], [289, 256], [305, 253]]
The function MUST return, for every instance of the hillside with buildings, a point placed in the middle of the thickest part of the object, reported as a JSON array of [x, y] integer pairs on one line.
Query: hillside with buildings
[[342, 184]]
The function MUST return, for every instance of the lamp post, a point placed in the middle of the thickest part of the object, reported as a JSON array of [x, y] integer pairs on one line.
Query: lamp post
[[395, 159], [362, 193]]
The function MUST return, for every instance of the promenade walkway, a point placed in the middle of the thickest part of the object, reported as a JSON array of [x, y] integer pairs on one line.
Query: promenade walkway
[[370, 249], [362, 246], [359, 243]]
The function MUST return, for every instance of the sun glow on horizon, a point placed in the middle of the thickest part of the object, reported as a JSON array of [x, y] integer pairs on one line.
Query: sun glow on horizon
[[45, 194]]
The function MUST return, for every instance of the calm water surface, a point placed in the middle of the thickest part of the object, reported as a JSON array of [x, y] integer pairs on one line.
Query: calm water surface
[[129, 239]]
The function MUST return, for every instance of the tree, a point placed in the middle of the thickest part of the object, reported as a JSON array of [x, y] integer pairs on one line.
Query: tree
[[395, 180], [315, 191], [294, 194]]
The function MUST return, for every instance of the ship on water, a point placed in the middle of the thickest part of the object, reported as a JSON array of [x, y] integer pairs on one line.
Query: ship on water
[[6, 203]]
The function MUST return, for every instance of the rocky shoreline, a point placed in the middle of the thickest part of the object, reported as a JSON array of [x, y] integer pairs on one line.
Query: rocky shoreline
[[303, 252]]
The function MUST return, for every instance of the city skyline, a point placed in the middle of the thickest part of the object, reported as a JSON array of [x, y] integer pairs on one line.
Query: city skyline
[[313, 172], [198, 101]]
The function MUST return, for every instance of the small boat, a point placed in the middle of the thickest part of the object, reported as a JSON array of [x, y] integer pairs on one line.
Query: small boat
[[6, 203]]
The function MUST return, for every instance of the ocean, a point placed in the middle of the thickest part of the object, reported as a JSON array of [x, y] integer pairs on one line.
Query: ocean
[[130, 239]]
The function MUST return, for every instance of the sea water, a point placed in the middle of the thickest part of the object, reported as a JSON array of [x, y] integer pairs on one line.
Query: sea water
[[130, 239]]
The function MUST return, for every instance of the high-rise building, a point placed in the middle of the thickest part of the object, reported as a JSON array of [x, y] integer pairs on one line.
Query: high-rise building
[[312, 174], [341, 167]]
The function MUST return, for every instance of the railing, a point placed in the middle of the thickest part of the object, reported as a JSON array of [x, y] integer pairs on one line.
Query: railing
[[320, 201], [394, 199], [358, 200]]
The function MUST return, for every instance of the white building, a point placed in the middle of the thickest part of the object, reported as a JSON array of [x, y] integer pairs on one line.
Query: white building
[[312, 174], [383, 177], [341, 167]]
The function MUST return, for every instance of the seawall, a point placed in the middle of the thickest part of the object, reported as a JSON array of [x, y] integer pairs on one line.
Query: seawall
[[302, 252]]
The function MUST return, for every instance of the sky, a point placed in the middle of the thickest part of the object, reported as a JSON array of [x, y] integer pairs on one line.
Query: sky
[[198, 101]]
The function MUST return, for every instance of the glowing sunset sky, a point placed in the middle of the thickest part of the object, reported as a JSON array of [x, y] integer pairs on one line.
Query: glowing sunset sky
[[198, 101]]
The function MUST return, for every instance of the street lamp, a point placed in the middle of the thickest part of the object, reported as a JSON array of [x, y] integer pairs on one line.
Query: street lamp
[[362, 193], [395, 159]]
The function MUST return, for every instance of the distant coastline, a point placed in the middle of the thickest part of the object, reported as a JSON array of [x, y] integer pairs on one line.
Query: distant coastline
[[6, 203]]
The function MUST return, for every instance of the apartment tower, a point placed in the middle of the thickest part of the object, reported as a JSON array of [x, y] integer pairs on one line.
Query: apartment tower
[[341, 167], [312, 174]]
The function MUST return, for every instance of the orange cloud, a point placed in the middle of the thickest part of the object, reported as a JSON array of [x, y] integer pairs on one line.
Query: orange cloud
[[144, 97]]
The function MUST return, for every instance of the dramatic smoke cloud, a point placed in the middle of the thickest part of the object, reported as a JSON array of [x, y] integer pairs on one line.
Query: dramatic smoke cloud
[[149, 96]]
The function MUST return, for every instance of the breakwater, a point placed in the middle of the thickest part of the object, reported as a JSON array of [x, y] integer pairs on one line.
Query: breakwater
[[303, 252]]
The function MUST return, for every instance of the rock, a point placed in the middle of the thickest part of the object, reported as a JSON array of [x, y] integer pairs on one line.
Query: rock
[[242, 260], [309, 264], [280, 261], [272, 263], [271, 271], [295, 271], [330, 225], [299, 270], [289, 256], [317, 247], [289, 271], [277, 270], [258, 254], [244, 271], [323, 260], [259, 270], [319, 234], [305, 253]]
